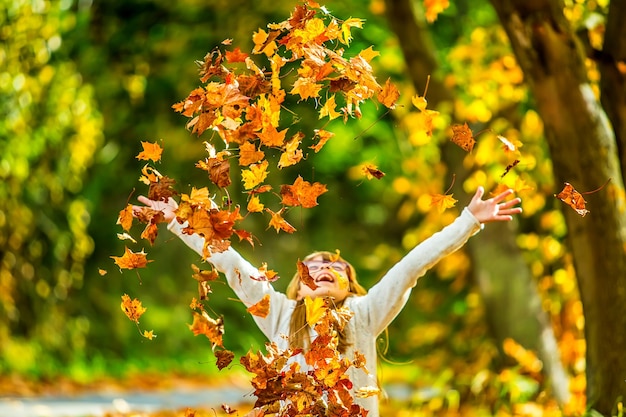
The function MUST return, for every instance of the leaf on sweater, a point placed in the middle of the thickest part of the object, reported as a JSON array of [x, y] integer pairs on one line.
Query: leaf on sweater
[[262, 308]]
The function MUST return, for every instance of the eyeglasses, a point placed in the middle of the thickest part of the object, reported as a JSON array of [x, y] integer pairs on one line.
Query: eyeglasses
[[315, 266]]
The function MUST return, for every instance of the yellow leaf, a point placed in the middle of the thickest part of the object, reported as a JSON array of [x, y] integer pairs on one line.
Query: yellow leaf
[[442, 201], [149, 334], [346, 36], [315, 309], [306, 88], [329, 109], [255, 175], [255, 205], [292, 155], [369, 53]]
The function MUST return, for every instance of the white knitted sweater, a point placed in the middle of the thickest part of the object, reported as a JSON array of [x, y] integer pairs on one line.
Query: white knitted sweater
[[372, 312]]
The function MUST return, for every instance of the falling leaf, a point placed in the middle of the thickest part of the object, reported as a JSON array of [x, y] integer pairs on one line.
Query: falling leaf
[[462, 135], [323, 136], [131, 260], [248, 154], [202, 275], [126, 236], [255, 175], [328, 109], [508, 145], [132, 308], [279, 223], [262, 308], [236, 56], [149, 334], [292, 154], [389, 95], [509, 167], [434, 7], [102, 272], [255, 205], [151, 151], [302, 193], [442, 201], [213, 329], [371, 171], [224, 358], [572, 198], [125, 218], [305, 276], [315, 309]]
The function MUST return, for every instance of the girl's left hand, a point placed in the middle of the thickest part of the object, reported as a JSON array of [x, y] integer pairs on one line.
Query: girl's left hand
[[495, 209]]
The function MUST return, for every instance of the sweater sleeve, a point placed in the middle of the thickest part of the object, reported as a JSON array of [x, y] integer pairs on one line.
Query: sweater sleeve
[[245, 280], [386, 299]]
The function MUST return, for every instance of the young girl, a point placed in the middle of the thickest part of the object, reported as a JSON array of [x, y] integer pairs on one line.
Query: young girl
[[336, 278]]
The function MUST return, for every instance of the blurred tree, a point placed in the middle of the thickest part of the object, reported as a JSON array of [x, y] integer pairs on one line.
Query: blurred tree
[[585, 147], [49, 131]]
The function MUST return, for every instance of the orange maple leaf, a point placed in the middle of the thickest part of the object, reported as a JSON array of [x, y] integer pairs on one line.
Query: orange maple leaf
[[131, 260], [125, 218], [262, 308], [302, 193], [278, 222], [132, 308], [389, 95], [151, 151], [462, 135], [213, 329], [236, 55], [442, 201], [248, 154], [434, 8]]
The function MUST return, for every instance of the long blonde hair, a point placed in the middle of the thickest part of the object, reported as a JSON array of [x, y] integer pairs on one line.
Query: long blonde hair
[[298, 330]]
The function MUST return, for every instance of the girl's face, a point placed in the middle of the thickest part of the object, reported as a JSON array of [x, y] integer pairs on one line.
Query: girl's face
[[330, 277]]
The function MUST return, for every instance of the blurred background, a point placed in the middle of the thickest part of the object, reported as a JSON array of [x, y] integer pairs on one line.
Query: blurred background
[[84, 82]]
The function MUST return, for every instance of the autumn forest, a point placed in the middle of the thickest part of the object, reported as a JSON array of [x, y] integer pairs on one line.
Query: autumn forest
[[357, 127]]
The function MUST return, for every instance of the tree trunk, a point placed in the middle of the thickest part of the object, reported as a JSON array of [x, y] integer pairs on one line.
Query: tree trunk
[[506, 286], [612, 66], [584, 153]]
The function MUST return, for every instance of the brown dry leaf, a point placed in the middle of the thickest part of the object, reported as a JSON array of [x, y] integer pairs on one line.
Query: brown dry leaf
[[573, 198], [462, 135], [224, 358]]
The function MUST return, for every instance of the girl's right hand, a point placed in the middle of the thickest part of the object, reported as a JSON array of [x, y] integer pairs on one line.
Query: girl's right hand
[[167, 208]]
